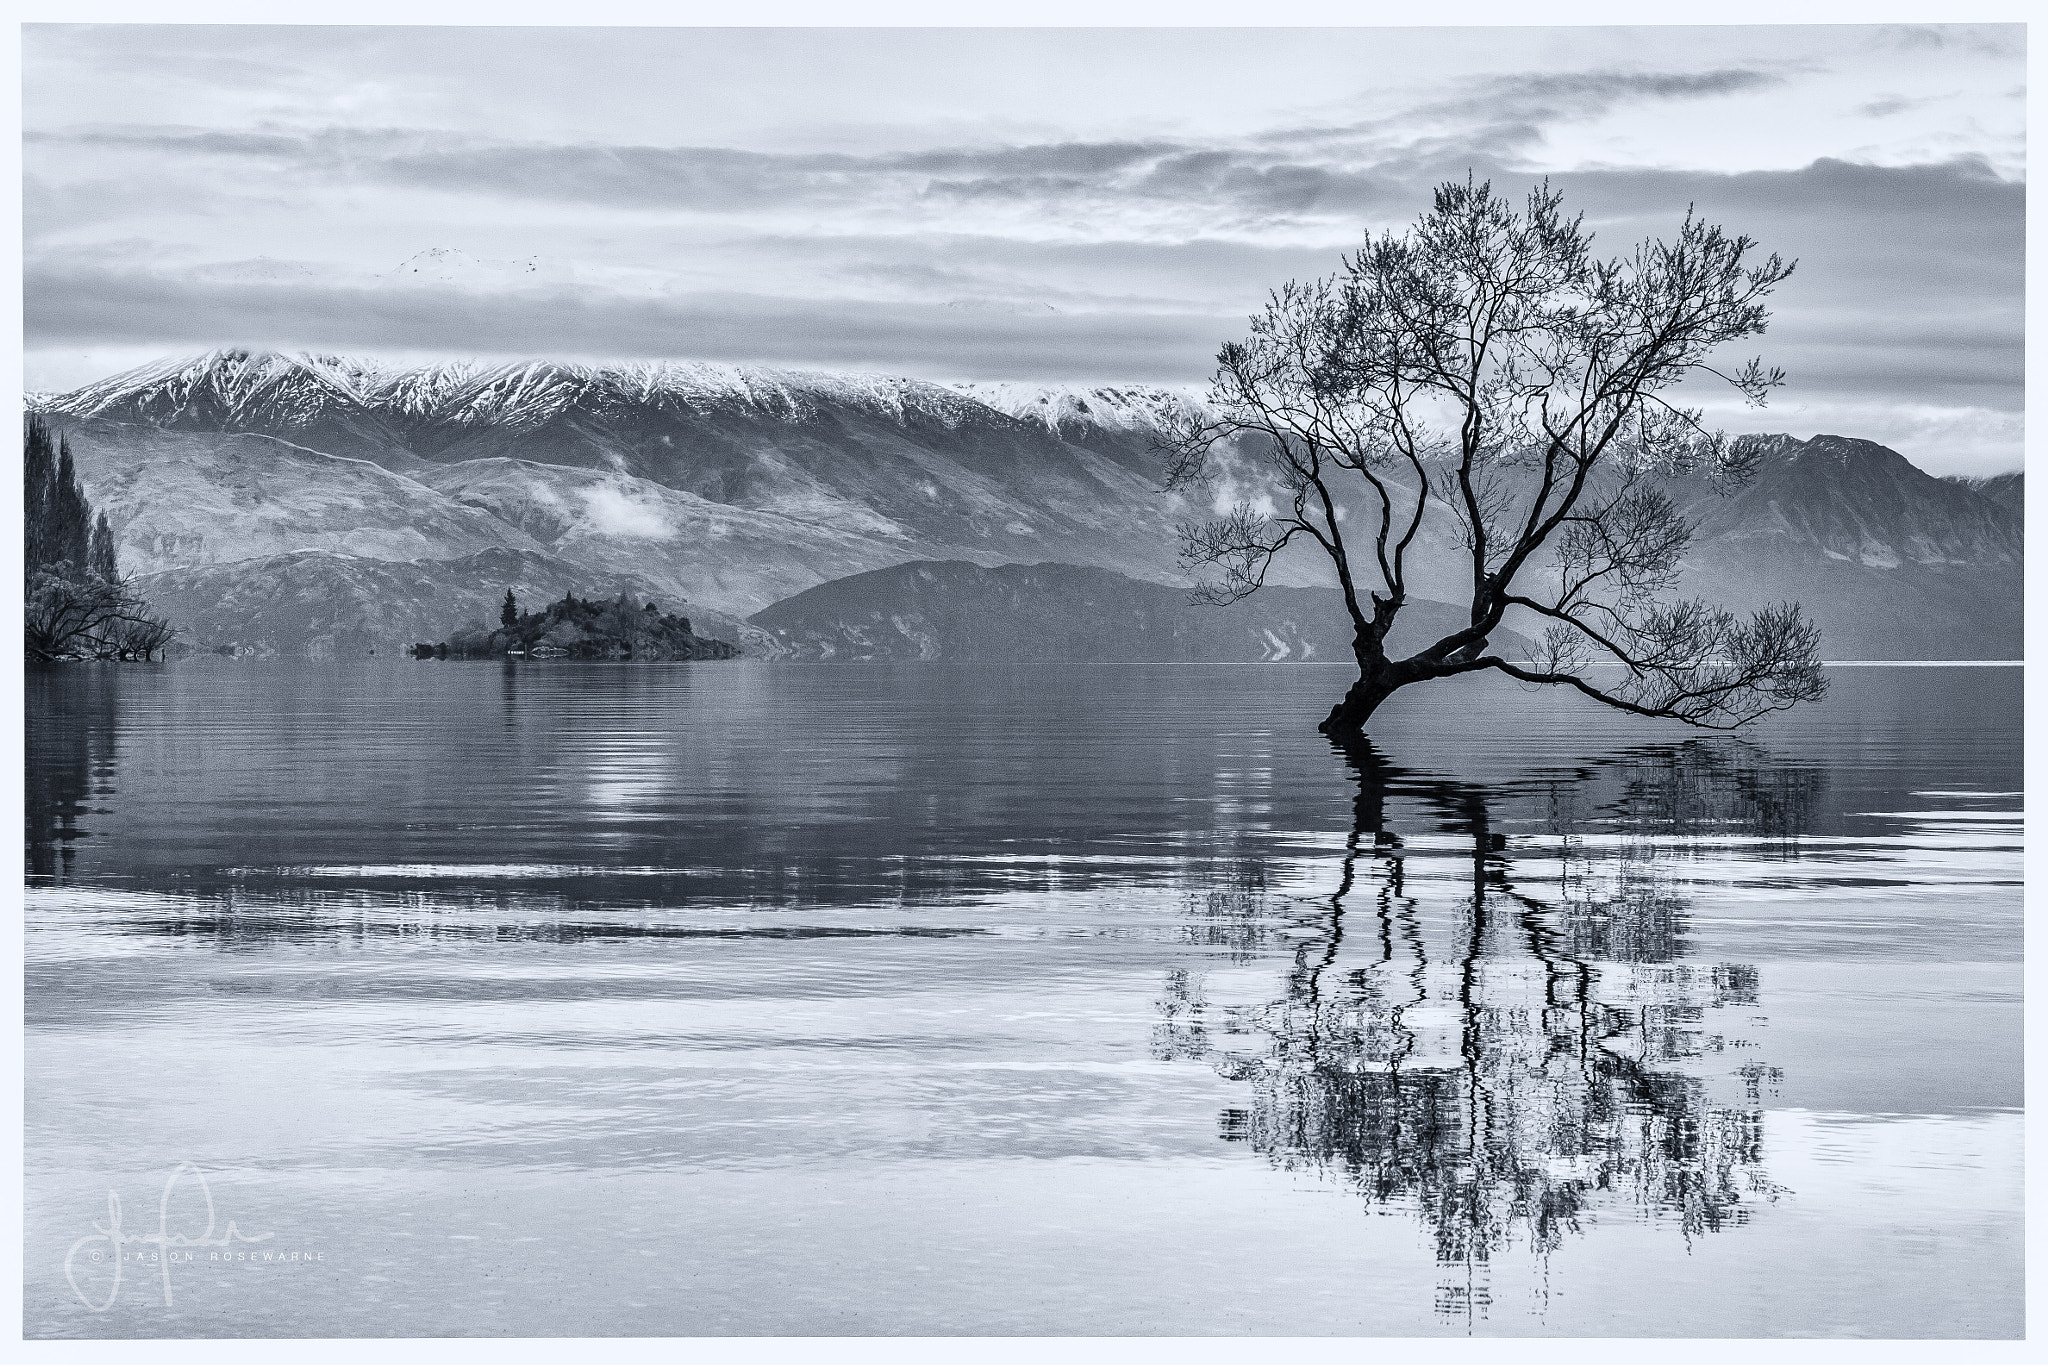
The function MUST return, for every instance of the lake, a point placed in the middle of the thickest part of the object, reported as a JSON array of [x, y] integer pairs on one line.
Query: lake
[[753, 998]]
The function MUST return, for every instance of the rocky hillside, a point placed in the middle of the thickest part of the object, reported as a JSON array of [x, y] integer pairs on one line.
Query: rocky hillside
[[181, 499], [686, 545], [1892, 562], [2007, 490], [1022, 612]]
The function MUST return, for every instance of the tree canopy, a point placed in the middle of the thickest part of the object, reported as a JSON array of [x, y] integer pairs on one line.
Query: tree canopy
[[1485, 365], [622, 627]]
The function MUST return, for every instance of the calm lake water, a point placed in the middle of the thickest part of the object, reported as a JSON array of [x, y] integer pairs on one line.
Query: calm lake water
[[705, 999]]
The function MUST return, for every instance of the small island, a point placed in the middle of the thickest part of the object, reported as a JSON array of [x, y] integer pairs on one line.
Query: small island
[[579, 628]]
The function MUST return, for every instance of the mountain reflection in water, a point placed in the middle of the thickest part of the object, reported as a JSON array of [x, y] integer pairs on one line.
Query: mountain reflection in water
[[1499, 1032]]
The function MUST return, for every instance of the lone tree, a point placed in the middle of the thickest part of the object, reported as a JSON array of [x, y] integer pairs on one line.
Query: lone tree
[[1486, 368], [508, 615]]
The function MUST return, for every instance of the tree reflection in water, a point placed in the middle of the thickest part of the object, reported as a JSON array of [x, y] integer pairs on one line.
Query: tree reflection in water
[[1500, 1035], [72, 716]]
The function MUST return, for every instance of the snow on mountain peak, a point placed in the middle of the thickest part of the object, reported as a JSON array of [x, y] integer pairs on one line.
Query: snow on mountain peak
[[231, 387], [1109, 407], [243, 388]]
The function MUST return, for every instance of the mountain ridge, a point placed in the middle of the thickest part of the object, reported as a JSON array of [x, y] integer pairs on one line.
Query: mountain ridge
[[952, 610], [731, 489]]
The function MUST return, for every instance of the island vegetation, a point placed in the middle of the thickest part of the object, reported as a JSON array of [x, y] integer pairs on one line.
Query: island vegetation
[[622, 627], [77, 603]]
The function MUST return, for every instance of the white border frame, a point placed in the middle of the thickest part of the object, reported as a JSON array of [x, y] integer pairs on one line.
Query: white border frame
[[993, 14]]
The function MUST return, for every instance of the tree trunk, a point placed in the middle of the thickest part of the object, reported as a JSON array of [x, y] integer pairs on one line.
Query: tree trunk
[[1378, 679]]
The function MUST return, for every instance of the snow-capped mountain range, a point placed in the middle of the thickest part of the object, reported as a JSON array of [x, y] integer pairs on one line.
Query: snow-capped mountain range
[[380, 495], [434, 405], [725, 487], [1083, 411]]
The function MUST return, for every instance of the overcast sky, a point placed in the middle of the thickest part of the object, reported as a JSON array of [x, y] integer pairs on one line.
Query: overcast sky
[[1058, 205]]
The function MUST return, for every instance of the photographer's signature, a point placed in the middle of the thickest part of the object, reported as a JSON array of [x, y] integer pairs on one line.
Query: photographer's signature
[[163, 1239]]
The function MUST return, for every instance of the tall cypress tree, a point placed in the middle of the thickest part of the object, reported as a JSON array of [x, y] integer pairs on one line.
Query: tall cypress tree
[[39, 476], [76, 605], [508, 615], [70, 518], [101, 559]]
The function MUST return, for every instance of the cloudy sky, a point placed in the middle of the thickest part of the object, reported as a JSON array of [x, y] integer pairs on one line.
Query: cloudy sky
[[1056, 205]]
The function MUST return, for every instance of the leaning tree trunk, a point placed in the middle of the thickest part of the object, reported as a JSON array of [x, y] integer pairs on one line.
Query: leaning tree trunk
[[1378, 678]]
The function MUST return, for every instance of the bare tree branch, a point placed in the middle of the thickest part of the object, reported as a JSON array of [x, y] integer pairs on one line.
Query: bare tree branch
[[1487, 368]]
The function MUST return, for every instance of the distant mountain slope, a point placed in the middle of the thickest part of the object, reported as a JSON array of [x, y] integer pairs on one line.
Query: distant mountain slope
[[893, 459], [732, 489], [959, 611], [682, 544], [1125, 417], [1859, 502], [2007, 490], [320, 604], [1890, 561], [178, 499]]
